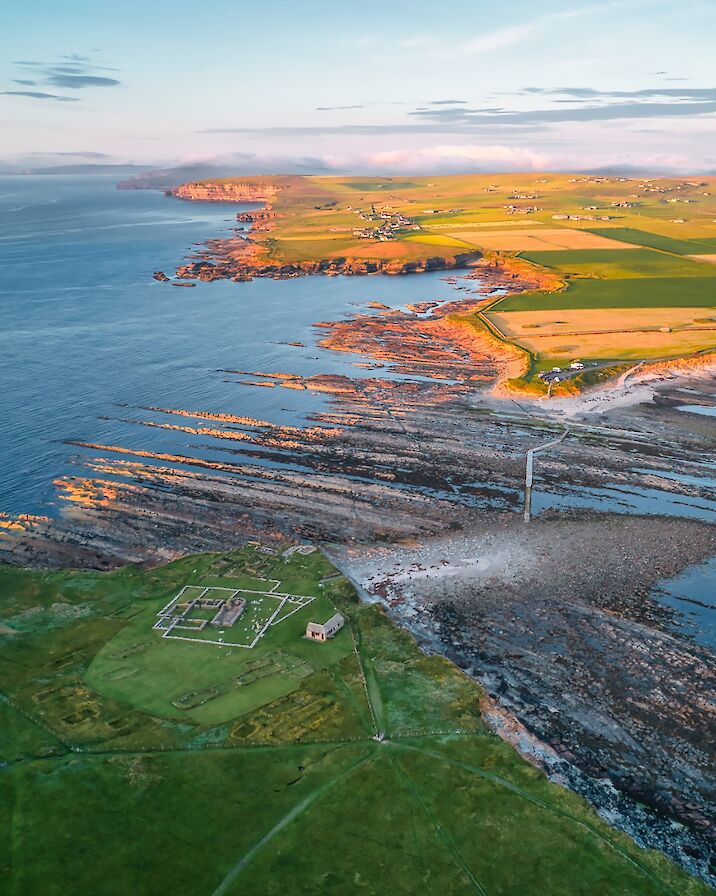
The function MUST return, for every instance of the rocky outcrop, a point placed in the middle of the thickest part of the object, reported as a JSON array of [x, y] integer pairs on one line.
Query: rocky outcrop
[[258, 190], [227, 268]]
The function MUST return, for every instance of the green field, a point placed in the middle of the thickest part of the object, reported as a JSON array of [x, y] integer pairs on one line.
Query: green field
[[102, 794], [703, 246], [686, 292], [615, 264], [150, 673]]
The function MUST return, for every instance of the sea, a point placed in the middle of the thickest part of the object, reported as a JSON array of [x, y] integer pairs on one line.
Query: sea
[[86, 330], [88, 336]]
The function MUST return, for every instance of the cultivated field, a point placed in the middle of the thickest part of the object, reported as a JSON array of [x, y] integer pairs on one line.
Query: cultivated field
[[610, 334], [647, 292], [608, 264], [373, 769], [615, 242], [541, 240], [656, 240]]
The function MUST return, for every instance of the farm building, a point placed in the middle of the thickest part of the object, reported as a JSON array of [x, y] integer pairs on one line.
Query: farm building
[[318, 632]]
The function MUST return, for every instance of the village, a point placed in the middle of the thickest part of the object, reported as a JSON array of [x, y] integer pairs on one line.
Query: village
[[388, 224]]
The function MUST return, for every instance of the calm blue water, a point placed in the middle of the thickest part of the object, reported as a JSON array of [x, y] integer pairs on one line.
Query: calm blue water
[[85, 327], [706, 410], [693, 595]]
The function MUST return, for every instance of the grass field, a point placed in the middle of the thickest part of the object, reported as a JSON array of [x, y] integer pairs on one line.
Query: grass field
[[657, 241], [151, 673], [610, 264], [295, 796], [645, 292]]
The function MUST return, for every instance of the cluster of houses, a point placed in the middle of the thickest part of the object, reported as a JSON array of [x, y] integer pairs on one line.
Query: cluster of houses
[[521, 209], [387, 225], [556, 374], [581, 217], [598, 180]]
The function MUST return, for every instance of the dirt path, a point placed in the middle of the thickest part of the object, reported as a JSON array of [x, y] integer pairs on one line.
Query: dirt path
[[442, 834], [290, 816], [518, 791]]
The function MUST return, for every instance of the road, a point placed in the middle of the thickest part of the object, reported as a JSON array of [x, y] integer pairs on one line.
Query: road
[[529, 468]]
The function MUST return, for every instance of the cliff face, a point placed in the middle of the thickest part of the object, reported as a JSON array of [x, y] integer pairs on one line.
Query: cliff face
[[247, 265], [228, 191]]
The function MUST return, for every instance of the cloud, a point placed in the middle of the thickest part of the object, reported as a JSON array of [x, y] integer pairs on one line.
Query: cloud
[[503, 38], [451, 157], [338, 108], [39, 95], [70, 71], [77, 82], [584, 104], [467, 120], [684, 93], [448, 102], [496, 40], [78, 154]]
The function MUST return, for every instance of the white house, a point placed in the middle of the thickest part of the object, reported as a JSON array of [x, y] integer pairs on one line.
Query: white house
[[317, 632]]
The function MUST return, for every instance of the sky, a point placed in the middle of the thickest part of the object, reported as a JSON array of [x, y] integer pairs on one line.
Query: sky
[[391, 86]]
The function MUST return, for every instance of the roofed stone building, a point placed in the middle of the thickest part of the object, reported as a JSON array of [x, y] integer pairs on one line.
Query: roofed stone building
[[323, 632]]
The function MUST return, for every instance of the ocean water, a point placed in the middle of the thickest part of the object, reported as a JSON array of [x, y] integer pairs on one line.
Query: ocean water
[[85, 328], [692, 595]]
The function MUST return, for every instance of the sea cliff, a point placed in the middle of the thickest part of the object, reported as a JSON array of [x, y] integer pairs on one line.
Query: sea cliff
[[227, 191]]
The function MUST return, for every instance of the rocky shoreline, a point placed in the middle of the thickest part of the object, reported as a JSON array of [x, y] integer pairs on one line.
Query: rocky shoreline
[[242, 259], [585, 674], [218, 264]]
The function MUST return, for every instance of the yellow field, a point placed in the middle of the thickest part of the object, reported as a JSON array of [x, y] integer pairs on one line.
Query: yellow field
[[438, 239], [541, 240], [625, 333], [467, 225]]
